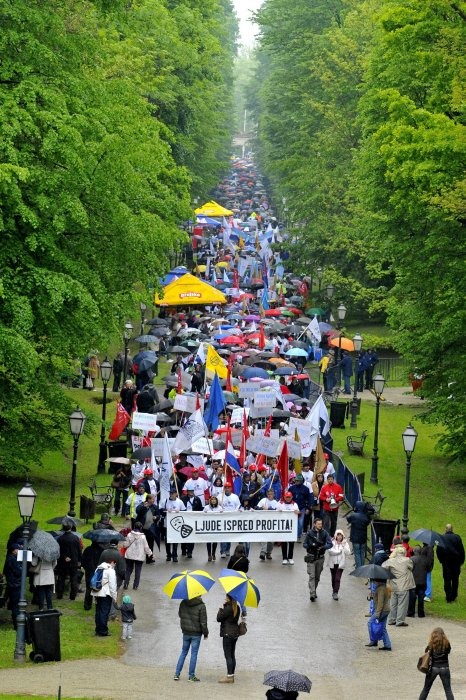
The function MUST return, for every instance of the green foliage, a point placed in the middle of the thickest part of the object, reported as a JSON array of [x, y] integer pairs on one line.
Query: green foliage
[[95, 175]]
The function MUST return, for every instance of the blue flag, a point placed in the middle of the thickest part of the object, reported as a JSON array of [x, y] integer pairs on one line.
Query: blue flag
[[265, 299], [232, 462], [215, 406]]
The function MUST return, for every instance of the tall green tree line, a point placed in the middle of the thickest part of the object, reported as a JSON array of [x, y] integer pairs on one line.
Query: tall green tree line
[[112, 116], [360, 117]]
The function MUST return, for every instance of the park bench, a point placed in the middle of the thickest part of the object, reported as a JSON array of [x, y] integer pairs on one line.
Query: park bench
[[376, 501], [356, 444], [101, 495]]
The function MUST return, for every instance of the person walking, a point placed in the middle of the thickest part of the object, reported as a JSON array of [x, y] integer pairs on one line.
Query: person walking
[[104, 598], [420, 570], [439, 648], [128, 616], [69, 561], [331, 496], [358, 521], [212, 507], [228, 616], [381, 599], [193, 623], [401, 567], [43, 581], [451, 557], [289, 505], [336, 560], [136, 552], [316, 542]]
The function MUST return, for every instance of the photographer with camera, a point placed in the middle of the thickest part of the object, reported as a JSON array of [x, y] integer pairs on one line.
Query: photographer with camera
[[358, 520], [317, 541], [331, 496]]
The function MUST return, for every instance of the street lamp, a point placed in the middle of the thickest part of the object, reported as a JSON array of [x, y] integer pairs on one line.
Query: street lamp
[[26, 500], [330, 289], [320, 274], [409, 443], [77, 420], [126, 337], [143, 308], [378, 384], [105, 374], [357, 342]]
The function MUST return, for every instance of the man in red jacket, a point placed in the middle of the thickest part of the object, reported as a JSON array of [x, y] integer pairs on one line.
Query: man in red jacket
[[331, 495]]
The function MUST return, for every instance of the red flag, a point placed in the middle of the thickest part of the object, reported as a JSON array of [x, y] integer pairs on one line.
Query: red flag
[[261, 337], [198, 403], [235, 279], [122, 419], [228, 382], [244, 437], [282, 467], [179, 386]]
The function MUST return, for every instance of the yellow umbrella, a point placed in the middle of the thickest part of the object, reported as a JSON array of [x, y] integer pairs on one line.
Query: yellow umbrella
[[240, 587], [222, 264], [188, 584], [202, 268]]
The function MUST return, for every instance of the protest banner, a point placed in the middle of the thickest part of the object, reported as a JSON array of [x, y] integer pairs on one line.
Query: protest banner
[[203, 446], [246, 390], [263, 445], [187, 403], [258, 412], [156, 446], [265, 399], [145, 421], [250, 526]]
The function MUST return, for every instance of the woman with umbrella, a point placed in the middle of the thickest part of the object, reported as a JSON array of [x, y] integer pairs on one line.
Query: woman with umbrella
[[228, 616]]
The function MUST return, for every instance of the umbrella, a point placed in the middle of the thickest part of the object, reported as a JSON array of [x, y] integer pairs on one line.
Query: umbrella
[[300, 344], [240, 587], [188, 585], [323, 327], [288, 681], [103, 536], [372, 571], [279, 413], [285, 371], [59, 519], [162, 418], [142, 453], [296, 352], [164, 404], [304, 320], [44, 546], [114, 460], [180, 349], [160, 332], [315, 311], [145, 339], [343, 343], [156, 322], [249, 372], [429, 537]]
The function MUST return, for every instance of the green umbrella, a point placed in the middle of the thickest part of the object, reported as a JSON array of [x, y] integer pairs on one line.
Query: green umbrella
[[316, 311]]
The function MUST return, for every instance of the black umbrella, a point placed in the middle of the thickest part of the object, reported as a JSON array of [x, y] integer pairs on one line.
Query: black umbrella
[[299, 344], [103, 536], [157, 322], [264, 365], [142, 453], [288, 681], [372, 571], [278, 413], [429, 537], [59, 520], [44, 546], [159, 332], [285, 371], [163, 405], [163, 419], [180, 349], [146, 339]]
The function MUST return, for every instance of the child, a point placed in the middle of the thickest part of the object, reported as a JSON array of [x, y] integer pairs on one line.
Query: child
[[127, 617]]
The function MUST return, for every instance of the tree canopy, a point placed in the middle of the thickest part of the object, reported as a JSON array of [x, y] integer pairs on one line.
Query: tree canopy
[[112, 115]]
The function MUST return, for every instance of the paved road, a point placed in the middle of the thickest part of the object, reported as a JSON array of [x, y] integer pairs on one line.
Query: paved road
[[324, 639]]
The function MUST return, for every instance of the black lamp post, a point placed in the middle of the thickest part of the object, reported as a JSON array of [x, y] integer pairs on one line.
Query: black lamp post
[[320, 274], [341, 314], [105, 373], [357, 342], [77, 420], [378, 384], [26, 501], [409, 443], [126, 337], [143, 308]]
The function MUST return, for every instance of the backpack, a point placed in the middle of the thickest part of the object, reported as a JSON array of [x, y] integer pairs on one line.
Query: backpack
[[96, 580]]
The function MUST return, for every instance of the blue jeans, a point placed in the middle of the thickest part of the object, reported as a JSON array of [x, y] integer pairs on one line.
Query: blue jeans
[[102, 611], [359, 554], [385, 638], [225, 548], [301, 522], [193, 641], [428, 592]]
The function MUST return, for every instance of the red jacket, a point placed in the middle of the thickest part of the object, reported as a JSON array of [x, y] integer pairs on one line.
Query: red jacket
[[327, 491]]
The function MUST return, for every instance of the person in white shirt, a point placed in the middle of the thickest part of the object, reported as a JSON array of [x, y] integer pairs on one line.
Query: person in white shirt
[[173, 504], [197, 484], [137, 471], [329, 469], [288, 547], [307, 474], [230, 502], [267, 503]]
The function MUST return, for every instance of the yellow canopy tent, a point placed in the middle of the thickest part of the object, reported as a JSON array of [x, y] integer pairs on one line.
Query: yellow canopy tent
[[189, 290], [213, 209]]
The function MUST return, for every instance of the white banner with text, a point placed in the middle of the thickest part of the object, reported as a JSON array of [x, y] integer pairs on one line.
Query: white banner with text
[[239, 526]]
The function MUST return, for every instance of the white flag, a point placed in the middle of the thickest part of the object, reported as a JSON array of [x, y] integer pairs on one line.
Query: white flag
[[253, 327], [201, 353], [318, 412], [225, 277], [315, 330], [165, 471], [193, 429]]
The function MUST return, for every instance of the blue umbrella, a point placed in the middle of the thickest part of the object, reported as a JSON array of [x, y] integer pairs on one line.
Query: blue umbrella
[[250, 372], [285, 371], [145, 360], [296, 352]]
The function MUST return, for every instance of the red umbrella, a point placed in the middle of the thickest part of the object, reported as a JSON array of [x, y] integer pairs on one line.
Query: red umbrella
[[232, 340], [273, 312], [188, 471]]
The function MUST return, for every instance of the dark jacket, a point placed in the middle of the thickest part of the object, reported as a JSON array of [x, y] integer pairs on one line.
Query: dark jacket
[[69, 549], [347, 366], [112, 553], [277, 694], [238, 563], [316, 542], [420, 569], [12, 570], [358, 521], [229, 620], [302, 496], [453, 552], [127, 612], [90, 559], [193, 617], [440, 658], [196, 503]]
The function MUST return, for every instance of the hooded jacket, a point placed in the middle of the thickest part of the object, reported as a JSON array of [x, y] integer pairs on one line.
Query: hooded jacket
[[338, 551], [358, 521], [402, 568], [193, 617], [109, 583]]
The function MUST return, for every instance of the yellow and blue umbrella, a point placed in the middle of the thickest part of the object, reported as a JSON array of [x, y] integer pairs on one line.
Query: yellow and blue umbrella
[[240, 587], [188, 584]]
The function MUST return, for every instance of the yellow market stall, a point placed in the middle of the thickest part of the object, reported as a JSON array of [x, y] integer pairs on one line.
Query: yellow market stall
[[213, 209], [189, 290]]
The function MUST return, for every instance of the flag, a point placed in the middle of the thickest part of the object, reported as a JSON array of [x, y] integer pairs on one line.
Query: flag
[[198, 403], [201, 353], [297, 462], [179, 385], [265, 299], [252, 327], [232, 469], [318, 414], [260, 459], [214, 276], [207, 268], [228, 384], [122, 419], [244, 436], [214, 363], [320, 463], [315, 330], [193, 429], [261, 337], [235, 278], [165, 471], [225, 277], [282, 466], [215, 406]]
